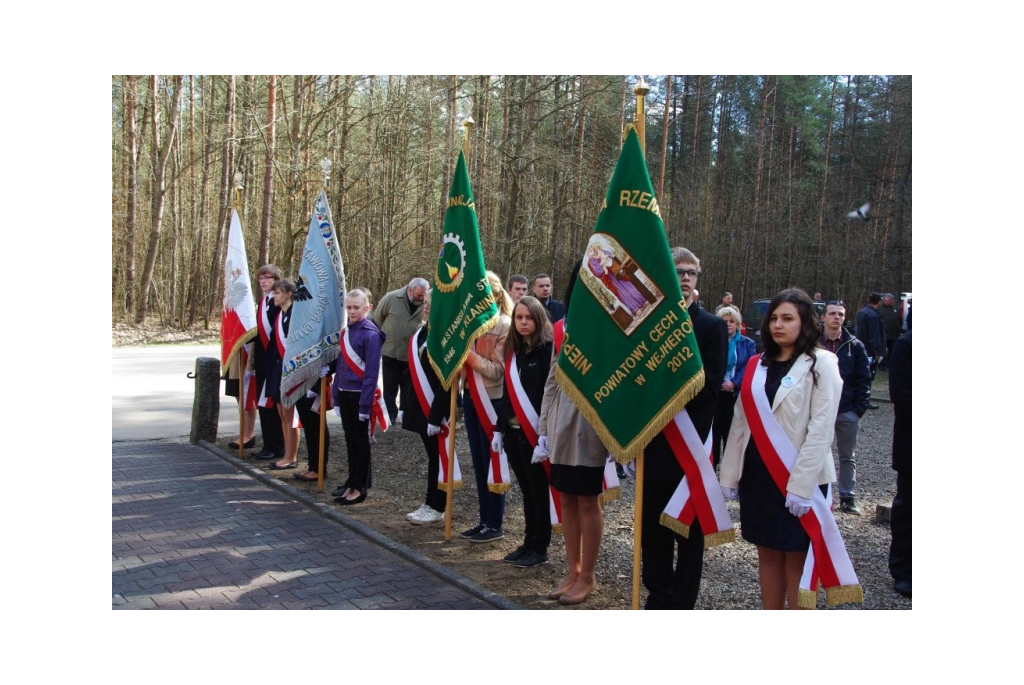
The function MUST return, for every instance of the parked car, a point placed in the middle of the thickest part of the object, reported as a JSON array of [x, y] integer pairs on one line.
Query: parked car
[[754, 317]]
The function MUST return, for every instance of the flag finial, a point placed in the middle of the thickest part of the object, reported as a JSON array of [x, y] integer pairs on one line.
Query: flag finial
[[641, 90], [238, 189], [325, 166]]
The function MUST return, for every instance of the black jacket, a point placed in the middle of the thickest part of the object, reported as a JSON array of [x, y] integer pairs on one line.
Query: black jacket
[[856, 373], [713, 343], [899, 393], [413, 419], [534, 365]]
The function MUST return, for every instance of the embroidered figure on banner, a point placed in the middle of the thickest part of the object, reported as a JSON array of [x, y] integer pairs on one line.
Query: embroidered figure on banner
[[618, 283]]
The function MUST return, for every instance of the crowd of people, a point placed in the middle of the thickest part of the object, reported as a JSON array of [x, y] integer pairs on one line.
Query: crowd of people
[[809, 387]]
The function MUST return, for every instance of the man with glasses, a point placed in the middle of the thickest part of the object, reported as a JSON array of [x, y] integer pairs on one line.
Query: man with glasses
[[674, 585], [266, 316], [856, 374]]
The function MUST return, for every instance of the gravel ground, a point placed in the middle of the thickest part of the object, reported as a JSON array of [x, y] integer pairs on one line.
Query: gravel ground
[[730, 571]]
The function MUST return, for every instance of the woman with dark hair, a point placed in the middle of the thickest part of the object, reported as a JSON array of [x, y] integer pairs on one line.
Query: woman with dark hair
[[527, 362], [793, 389], [284, 290]]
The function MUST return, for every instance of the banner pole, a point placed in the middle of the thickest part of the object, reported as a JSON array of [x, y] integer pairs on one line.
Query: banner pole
[[323, 430], [467, 122], [450, 485]]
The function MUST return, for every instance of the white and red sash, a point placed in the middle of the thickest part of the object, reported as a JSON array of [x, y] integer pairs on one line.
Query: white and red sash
[[612, 491], [378, 411], [263, 322], [281, 338], [828, 562], [498, 478], [698, 494], [425, 396]]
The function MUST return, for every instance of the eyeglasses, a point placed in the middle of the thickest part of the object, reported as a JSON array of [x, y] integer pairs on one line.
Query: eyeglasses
[[687, 272]]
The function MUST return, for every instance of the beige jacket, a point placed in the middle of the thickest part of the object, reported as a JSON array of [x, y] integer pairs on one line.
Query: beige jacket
[[490, 359], [807, 414], [571, 440]]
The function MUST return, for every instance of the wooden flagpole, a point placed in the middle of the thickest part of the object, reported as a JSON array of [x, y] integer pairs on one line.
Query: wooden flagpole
[[640, 90], [323, 430]]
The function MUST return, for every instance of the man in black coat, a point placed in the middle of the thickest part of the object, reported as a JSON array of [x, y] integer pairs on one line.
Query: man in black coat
[[674, 585], [542, 291], [900, 523]]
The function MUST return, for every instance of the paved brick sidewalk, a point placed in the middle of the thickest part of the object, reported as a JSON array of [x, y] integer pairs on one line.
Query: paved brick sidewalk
[[190, 531]]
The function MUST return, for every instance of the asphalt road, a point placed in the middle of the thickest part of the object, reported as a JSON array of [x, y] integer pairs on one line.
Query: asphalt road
[[151, 393]]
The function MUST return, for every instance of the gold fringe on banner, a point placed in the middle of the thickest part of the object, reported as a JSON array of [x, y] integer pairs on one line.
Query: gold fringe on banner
[[610, 495], [441, 485], [499, 488], [557, 528], [624, 454], [674, 524], [844, 594], [722, 537], [807, 599]]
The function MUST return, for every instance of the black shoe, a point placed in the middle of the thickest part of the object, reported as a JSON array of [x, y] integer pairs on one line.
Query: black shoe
[[532, 559], [249, 444], [872, 405], [266, 454], [902, 587], [849, 506], [339, 491], [346, 502], [515, 556], [472, 531], [487, 535]]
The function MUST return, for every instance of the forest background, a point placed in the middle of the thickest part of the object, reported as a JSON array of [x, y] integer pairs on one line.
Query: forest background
[[755, 174]]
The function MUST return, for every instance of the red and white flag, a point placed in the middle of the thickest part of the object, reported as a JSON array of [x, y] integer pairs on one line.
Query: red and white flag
[[238, 318]]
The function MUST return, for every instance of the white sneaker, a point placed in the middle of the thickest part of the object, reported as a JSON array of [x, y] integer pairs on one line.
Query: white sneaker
[[413, 514], [428, 516], [398, 419]]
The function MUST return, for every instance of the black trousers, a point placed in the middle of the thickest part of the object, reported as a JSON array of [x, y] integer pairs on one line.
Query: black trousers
[[672, 584], [901, 547], [720, 428], [270, 427], [436, 499], [533, 482], [311, 428], [395, 374], [357, 442]]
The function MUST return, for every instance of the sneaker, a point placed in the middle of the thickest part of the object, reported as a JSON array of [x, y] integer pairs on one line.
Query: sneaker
[[472, 531], [532, 559], [399, 417], [487, 535], [872, 405], [519, 553], [413, 514], [849, 506], [428, 516]]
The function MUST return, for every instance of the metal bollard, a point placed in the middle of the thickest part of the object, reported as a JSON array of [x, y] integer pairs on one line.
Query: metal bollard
[[206, 403]]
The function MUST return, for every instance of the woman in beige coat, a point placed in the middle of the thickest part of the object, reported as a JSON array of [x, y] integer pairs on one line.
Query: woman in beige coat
[[803, 387], [577, 471]]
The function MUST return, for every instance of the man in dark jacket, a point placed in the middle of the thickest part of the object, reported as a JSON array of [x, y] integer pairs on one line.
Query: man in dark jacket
[[856, 374], [869, 331], [892, 324], [672, 584], [899, 391]]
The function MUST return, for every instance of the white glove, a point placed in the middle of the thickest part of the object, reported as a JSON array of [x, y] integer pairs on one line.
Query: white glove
[[249, 374], [310, 394], [324, 371], [432, 429], [730, 493], [496, 442], [540, 452], [797, 505], [364, 417], [337, 410], [871, 360]]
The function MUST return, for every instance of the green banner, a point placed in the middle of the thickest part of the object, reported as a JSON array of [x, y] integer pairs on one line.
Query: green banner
[[629, 359], [461, 306]]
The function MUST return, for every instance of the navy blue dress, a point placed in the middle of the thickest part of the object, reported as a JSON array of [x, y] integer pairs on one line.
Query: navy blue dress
[[764, 518]]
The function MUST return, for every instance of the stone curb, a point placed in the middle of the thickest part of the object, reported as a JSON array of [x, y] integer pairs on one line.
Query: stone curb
[[442, 572]]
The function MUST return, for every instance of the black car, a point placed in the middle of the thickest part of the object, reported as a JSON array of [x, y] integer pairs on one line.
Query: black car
[[754, 317]]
